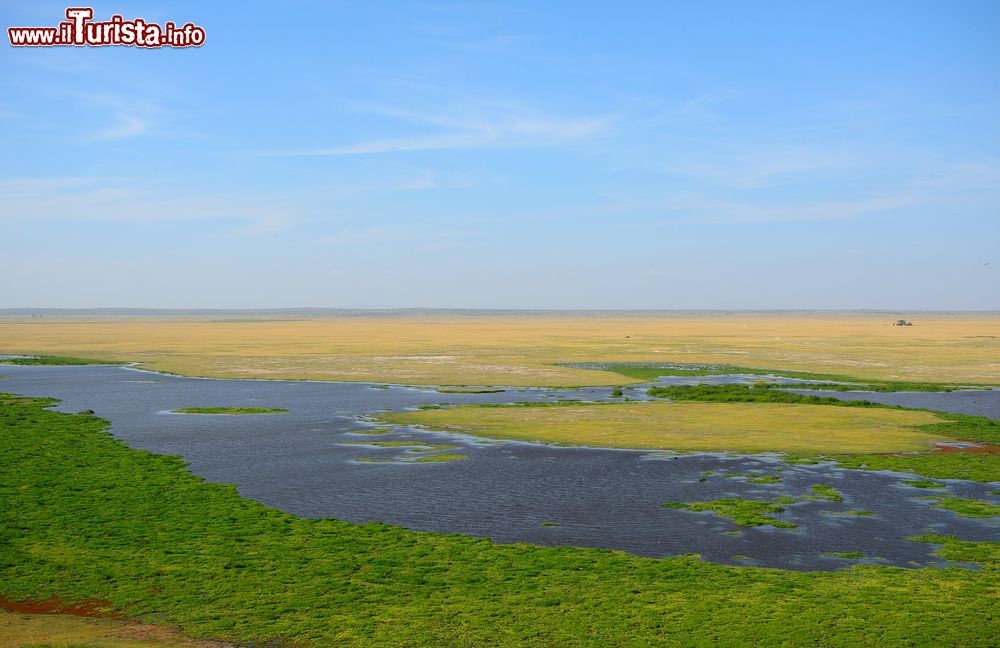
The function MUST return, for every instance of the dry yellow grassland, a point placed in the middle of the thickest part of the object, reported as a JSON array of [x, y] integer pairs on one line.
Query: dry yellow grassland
[[691, 427], [519, 350]]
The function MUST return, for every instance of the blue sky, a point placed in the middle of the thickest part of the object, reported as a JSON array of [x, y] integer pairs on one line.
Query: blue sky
[[509, 155]]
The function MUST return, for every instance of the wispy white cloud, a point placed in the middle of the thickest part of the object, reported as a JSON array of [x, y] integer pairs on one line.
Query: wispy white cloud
[[127, 126], [130, 200], [479, 126], [420, 143], [709, 210], [435, 230], [760, 167]]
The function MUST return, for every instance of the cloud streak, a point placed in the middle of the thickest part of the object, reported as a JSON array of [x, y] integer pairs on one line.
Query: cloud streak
[[491, 126], [127, 200]]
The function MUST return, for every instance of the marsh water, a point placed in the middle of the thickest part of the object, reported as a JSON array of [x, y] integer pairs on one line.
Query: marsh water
[[306, 462]]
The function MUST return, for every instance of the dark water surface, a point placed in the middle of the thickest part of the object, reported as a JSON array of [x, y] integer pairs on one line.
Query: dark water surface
[[974, 402], [505, 490]]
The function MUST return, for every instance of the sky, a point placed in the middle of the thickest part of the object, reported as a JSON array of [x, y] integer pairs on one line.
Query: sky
[[544, 155]]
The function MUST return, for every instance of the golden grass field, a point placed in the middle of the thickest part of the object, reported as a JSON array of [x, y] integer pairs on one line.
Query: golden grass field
[[691, 427], [519, 350]]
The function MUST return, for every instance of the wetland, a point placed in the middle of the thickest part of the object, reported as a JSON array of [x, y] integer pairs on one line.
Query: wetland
[[355, 452]]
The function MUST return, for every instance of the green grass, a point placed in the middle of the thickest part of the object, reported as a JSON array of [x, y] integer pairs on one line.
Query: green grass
[[937, 465], [230, 410], [84, 517], [753, 478], [924, 483], [745, 394], [749, 513], [375, 431], [618, 428], [652, 371], [983, 467], [745, 427], [746, 512], [551, 524], [967, 507], [824, 493], [984, 554], [440, 458], [844, 554], [52, 360]]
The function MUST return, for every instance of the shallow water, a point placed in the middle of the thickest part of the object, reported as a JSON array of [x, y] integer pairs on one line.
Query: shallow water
[[504, 490], [975, 402]]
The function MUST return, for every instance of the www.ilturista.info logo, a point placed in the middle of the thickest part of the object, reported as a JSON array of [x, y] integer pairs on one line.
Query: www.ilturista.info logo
[[79, 30]]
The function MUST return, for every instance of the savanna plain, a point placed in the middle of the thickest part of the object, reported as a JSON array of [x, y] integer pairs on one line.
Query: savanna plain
[[136, 551]]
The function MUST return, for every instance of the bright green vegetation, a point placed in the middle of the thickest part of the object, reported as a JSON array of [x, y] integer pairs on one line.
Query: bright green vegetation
[[746, 394], [53, 360], [86, 517], [469, 390], [746, 512], [754, 478], [967, 507], [551, 524], [985, 554], [652, 371], [743, 512], [824, 493], [924, 483], [440, 458], [373, 431], [230, 410], [844, 554]]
